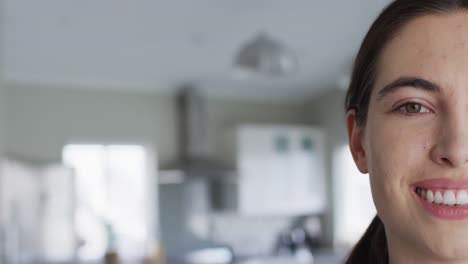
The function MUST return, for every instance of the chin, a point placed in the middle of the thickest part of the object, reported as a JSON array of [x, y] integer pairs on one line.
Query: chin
[[450, 247]]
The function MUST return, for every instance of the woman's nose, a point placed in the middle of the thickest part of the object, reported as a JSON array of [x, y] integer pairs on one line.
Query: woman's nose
[[451, 147]]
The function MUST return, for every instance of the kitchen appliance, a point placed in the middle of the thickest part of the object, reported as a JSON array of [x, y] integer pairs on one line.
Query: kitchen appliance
[[185, 195]]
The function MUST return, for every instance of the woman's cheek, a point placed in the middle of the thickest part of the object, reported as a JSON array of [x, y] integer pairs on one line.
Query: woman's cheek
[[401, 139], [392, 156], [386, 145]]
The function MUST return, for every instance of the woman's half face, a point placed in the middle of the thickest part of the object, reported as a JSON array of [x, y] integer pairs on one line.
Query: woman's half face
[[415, 141]]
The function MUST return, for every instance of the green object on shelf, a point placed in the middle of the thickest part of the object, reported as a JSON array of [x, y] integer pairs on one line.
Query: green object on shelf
[[281, 144], [307, 144]]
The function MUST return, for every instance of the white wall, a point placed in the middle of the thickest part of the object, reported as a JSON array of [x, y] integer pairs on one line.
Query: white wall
[[41, 121], [3, 115]]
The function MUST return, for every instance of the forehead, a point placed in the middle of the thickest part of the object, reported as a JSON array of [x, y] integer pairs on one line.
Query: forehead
[[434, 47]]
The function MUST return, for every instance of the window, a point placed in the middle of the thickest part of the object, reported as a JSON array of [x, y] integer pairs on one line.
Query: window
[[112, 198], [354, 208]]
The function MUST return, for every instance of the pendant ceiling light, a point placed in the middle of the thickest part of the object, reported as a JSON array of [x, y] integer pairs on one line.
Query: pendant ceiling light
[[265, 55]]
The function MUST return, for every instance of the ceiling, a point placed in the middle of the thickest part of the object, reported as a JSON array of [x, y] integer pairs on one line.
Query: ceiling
[[155, 45]]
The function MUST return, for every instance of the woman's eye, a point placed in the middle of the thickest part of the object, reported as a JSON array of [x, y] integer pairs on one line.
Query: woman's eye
[[413, 108]]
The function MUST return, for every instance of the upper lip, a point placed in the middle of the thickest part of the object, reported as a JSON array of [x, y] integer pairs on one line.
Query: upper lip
[[443, 183]]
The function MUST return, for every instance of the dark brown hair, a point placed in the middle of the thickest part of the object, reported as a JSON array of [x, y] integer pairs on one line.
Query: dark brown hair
[[372, 248]]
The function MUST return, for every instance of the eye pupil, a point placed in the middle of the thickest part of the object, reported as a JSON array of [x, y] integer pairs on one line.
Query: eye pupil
[[413, 108]]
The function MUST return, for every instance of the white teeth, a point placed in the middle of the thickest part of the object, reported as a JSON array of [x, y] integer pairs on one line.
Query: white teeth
[[446, 197], [462, 197], [449, 197], [430, 196], [438, 199]]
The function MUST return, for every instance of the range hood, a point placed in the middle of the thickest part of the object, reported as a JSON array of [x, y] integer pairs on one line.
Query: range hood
[[194, 161]]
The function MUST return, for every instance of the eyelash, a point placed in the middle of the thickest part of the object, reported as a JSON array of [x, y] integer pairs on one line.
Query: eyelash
[[401, 108]]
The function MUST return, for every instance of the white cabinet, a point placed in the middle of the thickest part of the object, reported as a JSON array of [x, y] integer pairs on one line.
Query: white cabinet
[[281, 170], [36, 213]]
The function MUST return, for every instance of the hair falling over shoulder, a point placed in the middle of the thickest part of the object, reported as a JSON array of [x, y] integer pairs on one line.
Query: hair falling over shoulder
[[372, 247]]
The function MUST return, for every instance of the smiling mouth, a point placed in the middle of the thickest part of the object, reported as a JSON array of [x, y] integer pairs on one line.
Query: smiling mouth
[[445, 204], [443, 197]]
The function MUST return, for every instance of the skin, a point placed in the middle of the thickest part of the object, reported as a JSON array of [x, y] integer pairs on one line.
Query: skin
[[398, 147]]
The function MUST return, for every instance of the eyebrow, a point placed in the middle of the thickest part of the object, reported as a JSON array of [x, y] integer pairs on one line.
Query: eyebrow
[[402, 82]]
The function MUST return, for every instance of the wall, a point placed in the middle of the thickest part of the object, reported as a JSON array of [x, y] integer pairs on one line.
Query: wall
[[3, 115], [42, 120]]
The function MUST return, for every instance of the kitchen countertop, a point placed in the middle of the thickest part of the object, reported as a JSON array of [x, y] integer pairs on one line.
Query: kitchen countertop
[[321, 257]]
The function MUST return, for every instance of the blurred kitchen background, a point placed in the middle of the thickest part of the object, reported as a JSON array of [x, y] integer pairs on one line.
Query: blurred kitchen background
[[207, 131]]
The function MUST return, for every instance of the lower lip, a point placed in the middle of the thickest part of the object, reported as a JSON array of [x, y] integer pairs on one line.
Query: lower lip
[[454, 212]]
